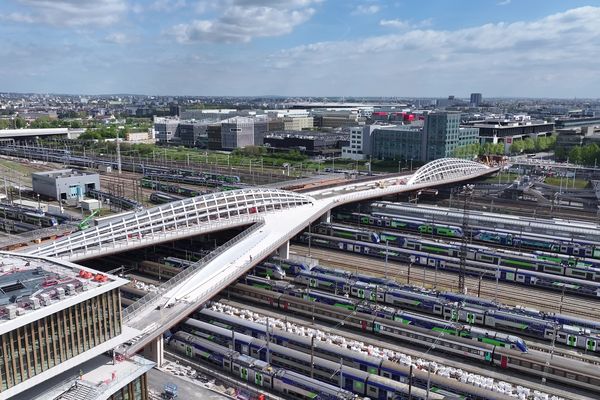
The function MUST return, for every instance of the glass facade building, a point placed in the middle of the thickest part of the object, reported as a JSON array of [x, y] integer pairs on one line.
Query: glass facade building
[[398, 143]]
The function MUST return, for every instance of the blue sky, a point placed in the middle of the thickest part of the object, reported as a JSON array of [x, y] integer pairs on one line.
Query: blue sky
[[426, 48]]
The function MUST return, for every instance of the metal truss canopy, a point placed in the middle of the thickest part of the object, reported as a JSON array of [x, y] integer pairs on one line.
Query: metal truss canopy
[[444, 169], [174, 219]]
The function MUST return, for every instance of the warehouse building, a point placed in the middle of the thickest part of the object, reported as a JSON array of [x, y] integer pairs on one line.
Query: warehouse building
[[64, 184]]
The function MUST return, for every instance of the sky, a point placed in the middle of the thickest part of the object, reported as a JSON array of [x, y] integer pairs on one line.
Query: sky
[[403, 48]]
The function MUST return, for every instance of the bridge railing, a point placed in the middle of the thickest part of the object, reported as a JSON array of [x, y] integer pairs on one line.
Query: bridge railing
[[215, 287], [151, 298]]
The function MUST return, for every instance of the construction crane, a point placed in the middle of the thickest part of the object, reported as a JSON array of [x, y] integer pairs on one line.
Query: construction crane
[[84, 224], [467, 191]]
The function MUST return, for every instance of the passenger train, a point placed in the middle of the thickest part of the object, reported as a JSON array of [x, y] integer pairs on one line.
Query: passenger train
[[516, 274], [525, 240], [364, 375], [427, 322], [566, 371], [541, 262], [254, 371]]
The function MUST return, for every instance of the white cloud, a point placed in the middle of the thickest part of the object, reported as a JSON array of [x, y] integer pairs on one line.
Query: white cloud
[[401, 24], [118, 38], [17, 17], [366, 9], [503, 2], [395, 23], [244, 20], [73, 12], [506, 56]]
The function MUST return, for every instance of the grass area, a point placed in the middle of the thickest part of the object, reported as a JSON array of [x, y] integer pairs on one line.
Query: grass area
[[15, 167], [566, 182]]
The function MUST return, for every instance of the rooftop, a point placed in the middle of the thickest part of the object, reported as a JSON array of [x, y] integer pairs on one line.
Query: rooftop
[[33, 287], [63, 173]]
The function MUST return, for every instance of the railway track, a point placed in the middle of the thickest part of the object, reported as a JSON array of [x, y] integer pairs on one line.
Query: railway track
[[506, 293], [411, 350]]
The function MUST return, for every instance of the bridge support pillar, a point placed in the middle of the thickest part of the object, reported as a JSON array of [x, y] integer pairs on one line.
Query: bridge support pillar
[[154, 351], [326, 218], [284, 250]]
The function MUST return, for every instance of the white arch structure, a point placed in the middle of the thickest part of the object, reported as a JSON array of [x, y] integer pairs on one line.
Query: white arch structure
[[445, 169], [171, 221]]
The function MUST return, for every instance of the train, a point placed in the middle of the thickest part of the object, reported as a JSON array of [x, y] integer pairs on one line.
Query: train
[[541, 262], [530, 241], [427, 322], [65, 157], [568, 331], [162, 271], [255, 371], [171, 266], [362, 375], [444, 263], [194, 180], [566, 371], [174, 189], [454, 297], [27, 216], [162, 198], [571, 331]]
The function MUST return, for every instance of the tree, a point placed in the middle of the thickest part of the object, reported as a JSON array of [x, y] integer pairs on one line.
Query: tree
[[575, 155], [528, 144], [517, 146], [20, 123]]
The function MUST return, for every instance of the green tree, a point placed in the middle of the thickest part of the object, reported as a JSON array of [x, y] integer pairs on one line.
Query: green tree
[[20, 123], [575, 155], [528, 144]]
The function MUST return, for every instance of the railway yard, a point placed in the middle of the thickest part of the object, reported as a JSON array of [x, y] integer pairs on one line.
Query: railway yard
[[382, 299], [527, 325]]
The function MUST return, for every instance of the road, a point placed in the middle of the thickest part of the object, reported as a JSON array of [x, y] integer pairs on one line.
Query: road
[[187, 388]]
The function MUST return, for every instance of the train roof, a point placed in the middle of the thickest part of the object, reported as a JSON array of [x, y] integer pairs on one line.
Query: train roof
[[315, 385]]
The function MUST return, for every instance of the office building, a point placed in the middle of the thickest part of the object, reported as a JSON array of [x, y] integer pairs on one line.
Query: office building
[[213, 133], [165, 129], [360, 142], [237, 132], [64, 184], [402, 142], [476, 99], [440, 135], [311, 143], [192, 134], [563, 123], [502, 131], [57, 319], [261, 129]]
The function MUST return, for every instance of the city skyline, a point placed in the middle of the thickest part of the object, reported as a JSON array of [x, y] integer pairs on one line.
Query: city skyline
[[301, 48]]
